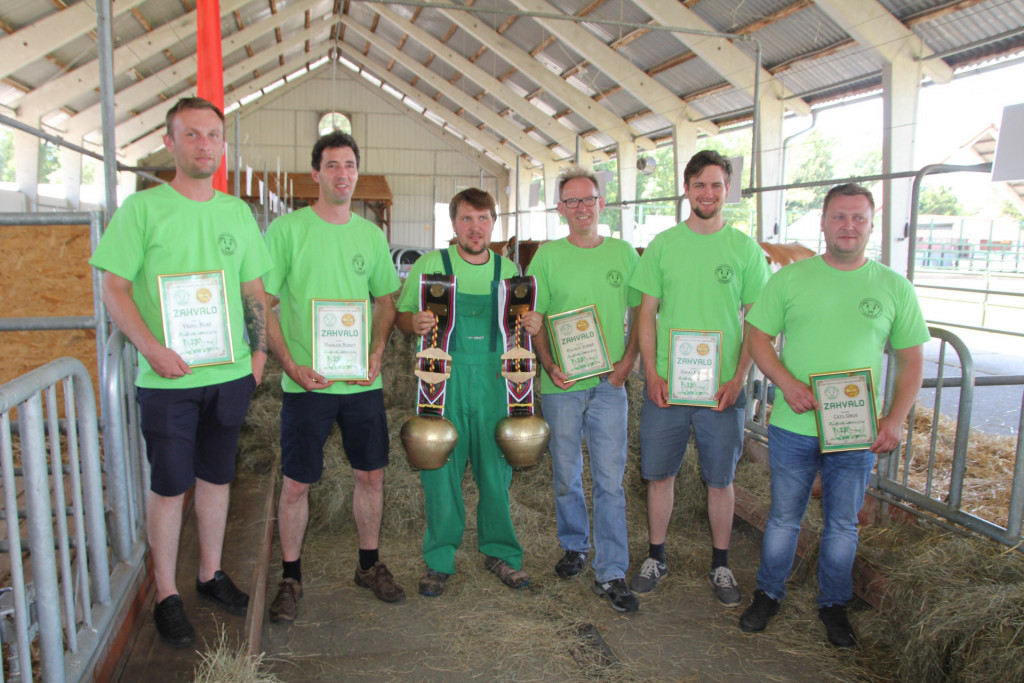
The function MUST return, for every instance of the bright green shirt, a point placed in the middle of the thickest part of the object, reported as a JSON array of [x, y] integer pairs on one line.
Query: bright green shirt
[[570, 277], [469, 278], [836, 320], [314, 259], [702, 281], [160, 232]]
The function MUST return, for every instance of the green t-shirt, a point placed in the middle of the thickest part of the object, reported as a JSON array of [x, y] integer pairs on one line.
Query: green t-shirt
[[160, 232], [314, 259], [469, 278], [836, 320], [702, 282], [569, 277]]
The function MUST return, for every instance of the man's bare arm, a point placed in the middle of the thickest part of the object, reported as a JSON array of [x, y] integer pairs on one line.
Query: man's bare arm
[[255, 312], [117, 296]]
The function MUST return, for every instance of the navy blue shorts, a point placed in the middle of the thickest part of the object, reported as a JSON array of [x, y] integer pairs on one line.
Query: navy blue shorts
[[193, 433], [306, 421]]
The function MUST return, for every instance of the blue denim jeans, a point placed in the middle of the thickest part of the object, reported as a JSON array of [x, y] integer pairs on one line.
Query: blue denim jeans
[[599, 415], [795, 460]]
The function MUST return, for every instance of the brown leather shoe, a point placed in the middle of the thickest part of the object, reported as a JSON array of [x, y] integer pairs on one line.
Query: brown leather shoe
[[285, 606], [513, 578], [378, 579]]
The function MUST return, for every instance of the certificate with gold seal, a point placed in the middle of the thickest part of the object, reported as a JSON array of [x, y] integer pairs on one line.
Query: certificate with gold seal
[[340, 343], [577, 341], [846, 419], [194, 309], [694, 365]]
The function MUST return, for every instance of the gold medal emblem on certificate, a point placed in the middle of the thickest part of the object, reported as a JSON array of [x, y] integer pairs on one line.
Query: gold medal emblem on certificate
[[846, 420], [194, 310], [341, 345], [577, 342], [694, 360]]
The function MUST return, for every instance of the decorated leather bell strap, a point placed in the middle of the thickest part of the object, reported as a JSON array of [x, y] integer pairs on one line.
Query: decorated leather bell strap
[[516, 296], [433, 362]]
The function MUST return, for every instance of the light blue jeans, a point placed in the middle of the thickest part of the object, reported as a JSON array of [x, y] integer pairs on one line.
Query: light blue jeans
[[599, 415], [795, 460]]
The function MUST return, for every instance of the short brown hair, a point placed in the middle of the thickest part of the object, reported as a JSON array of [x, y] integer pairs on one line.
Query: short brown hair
[[701, 160], [191, 103], [574, 172], [476, 198], [848, 190]]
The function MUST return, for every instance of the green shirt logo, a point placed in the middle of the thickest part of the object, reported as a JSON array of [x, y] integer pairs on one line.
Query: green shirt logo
[[870, 308], [359, 264], [724, 273], [614, 278], [226, 243]]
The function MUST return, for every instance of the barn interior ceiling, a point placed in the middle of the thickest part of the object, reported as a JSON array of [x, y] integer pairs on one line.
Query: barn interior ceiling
[[519, 79]]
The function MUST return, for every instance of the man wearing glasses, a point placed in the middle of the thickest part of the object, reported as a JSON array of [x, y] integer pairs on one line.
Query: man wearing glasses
[[696, 279], [580, 270]]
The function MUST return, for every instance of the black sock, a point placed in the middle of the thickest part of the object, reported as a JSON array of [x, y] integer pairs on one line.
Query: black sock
[[656, 551], [368, 558], [292, 570], [719, 558]]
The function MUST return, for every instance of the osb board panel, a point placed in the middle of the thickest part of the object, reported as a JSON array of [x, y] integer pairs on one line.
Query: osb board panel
[[44, 271]]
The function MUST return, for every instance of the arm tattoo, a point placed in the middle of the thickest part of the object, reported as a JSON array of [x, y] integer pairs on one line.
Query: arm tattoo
[[255, 322]]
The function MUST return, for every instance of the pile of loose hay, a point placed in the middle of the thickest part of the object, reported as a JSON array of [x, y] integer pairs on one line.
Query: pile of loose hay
[[222, 664]]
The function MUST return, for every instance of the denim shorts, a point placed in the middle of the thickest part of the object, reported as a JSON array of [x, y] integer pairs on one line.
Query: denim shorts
[[306, 421], [665, 434], [193, 433]]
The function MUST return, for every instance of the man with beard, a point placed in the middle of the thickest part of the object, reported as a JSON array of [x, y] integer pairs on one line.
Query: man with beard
[[699, 277], [475, 398]]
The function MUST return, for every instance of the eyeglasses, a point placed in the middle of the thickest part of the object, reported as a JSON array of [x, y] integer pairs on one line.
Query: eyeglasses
[[573, 202]]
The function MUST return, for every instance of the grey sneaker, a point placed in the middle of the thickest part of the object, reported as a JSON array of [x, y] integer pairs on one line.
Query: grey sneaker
[[649, 575], [724, 583]]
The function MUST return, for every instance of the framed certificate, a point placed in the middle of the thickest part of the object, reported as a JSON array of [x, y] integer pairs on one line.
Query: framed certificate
[[694, 366], [340, 343], [846, 419], [194, 309], [577, 342]]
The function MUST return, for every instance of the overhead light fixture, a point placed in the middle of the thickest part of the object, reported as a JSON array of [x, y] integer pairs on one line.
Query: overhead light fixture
[[646, 165]]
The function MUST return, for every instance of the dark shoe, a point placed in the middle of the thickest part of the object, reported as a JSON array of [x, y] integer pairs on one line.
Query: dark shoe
[[837, 626], [513, 578], [724, 583], [285, 606], [651, 572], [378, 579], [171, 623], [432, 583], [222, 591], [571, 564], [756, 617], [618, 594]]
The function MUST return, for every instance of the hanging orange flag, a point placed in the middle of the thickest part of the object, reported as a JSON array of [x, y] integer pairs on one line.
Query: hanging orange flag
[[210, 78]]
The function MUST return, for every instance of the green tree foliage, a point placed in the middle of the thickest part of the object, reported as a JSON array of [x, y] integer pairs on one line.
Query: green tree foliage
[[6, 156], [49, 163], [810, 161], [1010, 210], [939, 201]]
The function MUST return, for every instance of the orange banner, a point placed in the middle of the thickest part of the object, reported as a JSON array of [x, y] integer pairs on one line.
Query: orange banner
[[210, 79]]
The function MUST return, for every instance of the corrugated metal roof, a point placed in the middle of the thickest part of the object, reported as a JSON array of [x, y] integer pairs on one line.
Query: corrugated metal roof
[[809, 53]]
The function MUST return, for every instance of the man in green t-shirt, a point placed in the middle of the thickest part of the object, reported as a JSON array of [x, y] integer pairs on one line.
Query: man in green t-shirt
[[195, 253], [475, 398], [580, 270], [326, 254], [837, 311], [697, 278]]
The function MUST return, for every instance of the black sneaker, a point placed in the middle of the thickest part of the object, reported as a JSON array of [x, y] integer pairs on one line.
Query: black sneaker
[[571, 564], [756, 617], [619, 596], [222, 591], [837, 626], [172, 625]]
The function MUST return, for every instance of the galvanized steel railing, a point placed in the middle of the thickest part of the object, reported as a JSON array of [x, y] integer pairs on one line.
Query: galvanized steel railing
[[69, 591], [891, 480]]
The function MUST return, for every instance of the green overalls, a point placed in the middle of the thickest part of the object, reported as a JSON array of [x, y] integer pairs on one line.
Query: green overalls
[[474, 402]]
